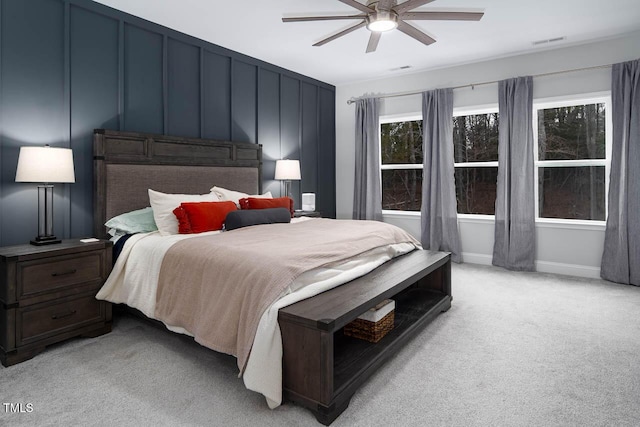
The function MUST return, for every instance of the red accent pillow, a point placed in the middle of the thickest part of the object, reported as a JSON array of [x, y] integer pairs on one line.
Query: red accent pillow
[[260, 203], [198, 217]]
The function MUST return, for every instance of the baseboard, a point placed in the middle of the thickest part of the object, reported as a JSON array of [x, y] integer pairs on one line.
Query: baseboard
[[541, 266], [475, 258], [568, 269]]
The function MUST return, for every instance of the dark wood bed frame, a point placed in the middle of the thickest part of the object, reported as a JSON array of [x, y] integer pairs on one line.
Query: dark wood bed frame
[[322, 368]]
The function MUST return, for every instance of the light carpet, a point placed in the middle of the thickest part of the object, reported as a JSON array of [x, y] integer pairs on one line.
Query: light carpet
[[515, 349]]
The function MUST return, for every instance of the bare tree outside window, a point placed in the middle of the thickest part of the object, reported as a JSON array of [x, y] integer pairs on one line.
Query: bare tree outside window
[[475, 143], [401, 142], [572, 133], [402, 189], [571, 162], [476, 190], [475, 140], [401, 156], [572, 192]]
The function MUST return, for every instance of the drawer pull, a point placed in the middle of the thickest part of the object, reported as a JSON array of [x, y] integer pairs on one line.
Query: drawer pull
[[63, 315], [64, 273]]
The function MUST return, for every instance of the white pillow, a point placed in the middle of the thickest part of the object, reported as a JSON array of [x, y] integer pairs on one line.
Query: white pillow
[[234, 196], [163, 205]]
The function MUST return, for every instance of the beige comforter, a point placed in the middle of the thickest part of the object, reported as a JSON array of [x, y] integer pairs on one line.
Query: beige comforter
[[217, 287]]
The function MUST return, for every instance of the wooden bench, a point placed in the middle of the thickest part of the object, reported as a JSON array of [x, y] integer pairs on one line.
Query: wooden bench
[[323, 368]]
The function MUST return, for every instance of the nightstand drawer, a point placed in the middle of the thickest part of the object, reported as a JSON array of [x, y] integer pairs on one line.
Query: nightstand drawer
[[58, 272], [35, 323]]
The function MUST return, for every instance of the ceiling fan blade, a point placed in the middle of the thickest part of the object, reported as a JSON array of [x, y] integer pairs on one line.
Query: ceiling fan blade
[[442, 16], [415, 33], [357, 5], [321, 18], [341, 33], [373, 41], [410, 4]]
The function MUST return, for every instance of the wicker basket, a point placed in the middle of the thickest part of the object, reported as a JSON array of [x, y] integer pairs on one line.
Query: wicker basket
[[368, 330]]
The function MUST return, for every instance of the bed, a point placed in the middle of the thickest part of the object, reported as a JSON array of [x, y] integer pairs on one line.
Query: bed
[[275, 364]]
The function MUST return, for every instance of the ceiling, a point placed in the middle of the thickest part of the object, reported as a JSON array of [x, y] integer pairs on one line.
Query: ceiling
[[509, 27]]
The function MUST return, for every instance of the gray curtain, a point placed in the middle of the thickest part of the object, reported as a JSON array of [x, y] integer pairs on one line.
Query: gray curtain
[[514, 245], [439, 215], [621, 257], [367, 195]]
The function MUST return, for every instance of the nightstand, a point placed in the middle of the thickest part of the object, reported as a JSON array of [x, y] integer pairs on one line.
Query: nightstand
[[311, 214], [47, 294]]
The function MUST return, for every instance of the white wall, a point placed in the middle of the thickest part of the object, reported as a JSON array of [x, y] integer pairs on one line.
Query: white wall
[[561, 248]]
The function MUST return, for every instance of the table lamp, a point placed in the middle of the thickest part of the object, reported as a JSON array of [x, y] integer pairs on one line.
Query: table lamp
[[45, 166], [287, 170]]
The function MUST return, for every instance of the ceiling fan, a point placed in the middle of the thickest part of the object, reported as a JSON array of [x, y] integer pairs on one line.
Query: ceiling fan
[[384, 15]]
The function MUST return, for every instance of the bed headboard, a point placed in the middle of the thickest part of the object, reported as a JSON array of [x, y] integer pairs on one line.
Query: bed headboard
[[127, 164]]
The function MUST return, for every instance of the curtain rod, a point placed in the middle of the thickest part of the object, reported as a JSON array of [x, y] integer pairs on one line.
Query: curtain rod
[[473, 85]]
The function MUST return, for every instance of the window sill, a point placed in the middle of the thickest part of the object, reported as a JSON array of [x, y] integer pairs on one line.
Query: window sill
[[476, 218], [401, 214], [572, 224]]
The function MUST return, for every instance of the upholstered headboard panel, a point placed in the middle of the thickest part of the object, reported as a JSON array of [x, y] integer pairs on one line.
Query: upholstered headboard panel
[[127, 164]]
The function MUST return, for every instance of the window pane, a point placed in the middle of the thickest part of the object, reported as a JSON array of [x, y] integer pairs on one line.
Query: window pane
[[571, 133], [475, 138], [401, 142], [572, 192], [402, 189], [476, 190]]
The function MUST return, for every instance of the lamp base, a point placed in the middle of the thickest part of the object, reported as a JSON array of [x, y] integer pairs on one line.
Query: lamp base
[[45, 240]]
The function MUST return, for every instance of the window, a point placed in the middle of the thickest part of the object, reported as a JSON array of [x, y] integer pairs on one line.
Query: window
[[572, 159], [401, 163], [475, 139], [572, 162], [475, 151]]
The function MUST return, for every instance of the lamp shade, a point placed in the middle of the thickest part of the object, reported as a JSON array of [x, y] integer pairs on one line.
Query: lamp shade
[[287, 169], [45, 164]]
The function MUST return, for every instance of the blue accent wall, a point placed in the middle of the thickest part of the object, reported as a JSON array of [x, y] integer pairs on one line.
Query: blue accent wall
[[70, 66]]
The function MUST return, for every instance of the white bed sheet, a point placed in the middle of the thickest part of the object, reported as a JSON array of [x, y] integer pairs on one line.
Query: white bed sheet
[[134, 280]]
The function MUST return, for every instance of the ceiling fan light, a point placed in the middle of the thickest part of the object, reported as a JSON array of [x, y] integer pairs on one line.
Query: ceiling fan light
[[382, 21]]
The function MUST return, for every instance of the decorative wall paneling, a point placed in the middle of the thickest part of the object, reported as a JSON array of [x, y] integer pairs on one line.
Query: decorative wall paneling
[[70, 66]]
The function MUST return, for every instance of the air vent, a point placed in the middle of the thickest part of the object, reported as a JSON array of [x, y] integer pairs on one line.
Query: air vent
[[404, 67], [546, 41]]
